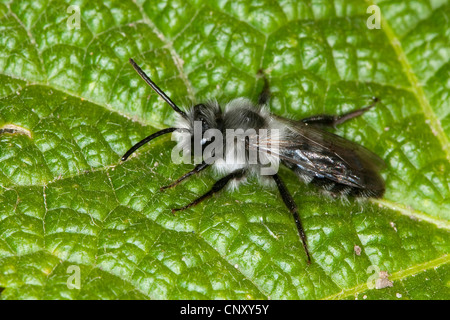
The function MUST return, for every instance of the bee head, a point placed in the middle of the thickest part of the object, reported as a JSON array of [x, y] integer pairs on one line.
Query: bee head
[[203, 116], [208, 115]]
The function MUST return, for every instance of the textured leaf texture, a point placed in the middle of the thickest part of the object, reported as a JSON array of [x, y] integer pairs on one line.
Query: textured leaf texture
[[71, 105]]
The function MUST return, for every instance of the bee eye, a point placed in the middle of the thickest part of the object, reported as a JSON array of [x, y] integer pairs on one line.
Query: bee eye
[[204, 123]]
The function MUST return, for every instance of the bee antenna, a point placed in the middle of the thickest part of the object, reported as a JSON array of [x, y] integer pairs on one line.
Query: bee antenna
[[146, 140], [157, 89]]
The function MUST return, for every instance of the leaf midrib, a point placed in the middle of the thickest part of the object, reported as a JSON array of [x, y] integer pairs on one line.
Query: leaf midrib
[[396, 276], [413, 213]]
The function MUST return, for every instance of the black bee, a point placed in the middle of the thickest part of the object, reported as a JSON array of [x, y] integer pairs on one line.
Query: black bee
[[338, 166]]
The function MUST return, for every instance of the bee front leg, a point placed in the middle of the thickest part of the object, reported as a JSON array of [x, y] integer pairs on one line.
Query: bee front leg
[[290, 203], [219, 185], [335, 120], [196, 170]]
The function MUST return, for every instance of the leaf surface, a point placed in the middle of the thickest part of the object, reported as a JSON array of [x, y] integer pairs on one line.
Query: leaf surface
[[71, 105]]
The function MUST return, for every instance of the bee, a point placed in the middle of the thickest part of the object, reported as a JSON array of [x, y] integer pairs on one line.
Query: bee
[[336, 165]]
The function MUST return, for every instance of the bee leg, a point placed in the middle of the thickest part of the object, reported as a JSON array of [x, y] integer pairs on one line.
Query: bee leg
[[264, 96], [335, 120], [290, 203], [196, 170], [219, 185]]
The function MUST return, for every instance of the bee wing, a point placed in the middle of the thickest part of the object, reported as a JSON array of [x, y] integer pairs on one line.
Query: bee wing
[[322, 154]]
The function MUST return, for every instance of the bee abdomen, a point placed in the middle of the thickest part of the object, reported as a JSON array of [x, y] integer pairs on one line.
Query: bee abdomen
[[337, 189], [333, 188]]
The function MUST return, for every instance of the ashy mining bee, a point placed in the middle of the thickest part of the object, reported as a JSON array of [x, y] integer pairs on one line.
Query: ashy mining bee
[[340, 167]]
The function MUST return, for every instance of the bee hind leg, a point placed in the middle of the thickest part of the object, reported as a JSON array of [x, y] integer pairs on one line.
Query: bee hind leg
[[290, 203], [335, 120]]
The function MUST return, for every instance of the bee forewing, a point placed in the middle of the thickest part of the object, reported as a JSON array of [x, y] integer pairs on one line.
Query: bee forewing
[[321, 154]]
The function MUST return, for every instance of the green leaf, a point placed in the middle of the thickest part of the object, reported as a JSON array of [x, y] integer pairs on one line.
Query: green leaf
[[71, 105]]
